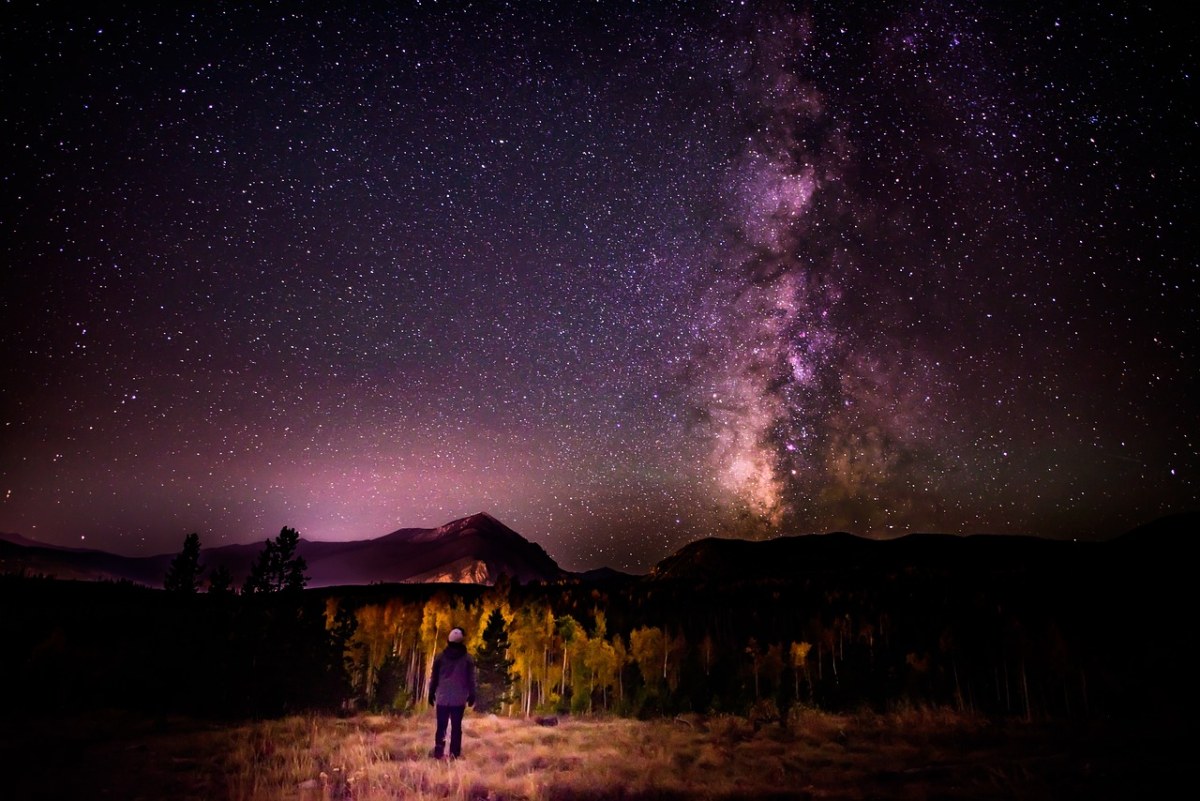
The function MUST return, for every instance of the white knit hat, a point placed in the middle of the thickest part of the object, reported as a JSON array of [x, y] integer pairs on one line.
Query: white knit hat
[[456, 635]]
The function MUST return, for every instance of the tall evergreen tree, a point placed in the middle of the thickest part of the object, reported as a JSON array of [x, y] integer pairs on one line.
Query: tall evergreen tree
[[278, 568], [183, 575], [493, 667], [220, 581], [292, 578]]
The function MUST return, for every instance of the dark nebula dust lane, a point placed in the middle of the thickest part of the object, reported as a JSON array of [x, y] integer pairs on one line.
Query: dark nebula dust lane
[[622, 275]]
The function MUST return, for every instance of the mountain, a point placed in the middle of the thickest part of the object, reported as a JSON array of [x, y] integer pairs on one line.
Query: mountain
[[723, 560], [474, 550], [602, 575], [1163, 534], [18, 554], [479, 549], [842, 553]]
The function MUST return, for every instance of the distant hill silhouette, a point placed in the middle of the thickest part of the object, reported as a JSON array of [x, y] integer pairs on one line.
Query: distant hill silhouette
[[717, 559], [1165, 532], [731, 560], [474, 550], [604, 574]]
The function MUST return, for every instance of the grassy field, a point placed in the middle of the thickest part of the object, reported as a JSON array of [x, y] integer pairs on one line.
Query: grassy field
[[920, 754]]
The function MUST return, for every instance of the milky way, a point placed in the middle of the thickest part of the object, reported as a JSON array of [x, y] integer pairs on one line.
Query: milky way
[[817, 411], [622, 275]]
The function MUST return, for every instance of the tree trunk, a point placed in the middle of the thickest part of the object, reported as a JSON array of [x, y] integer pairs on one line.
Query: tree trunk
[[1025, 692]]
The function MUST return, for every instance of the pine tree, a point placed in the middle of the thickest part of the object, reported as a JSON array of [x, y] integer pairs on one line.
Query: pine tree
[[220, 581], [278, 568], [292, 578], [183, 575], [292, 659], [261, 571], [493, 667]]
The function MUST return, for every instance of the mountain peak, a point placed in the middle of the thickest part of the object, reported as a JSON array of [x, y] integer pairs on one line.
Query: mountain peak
[[477, 548], [476, 524], [477, 520]]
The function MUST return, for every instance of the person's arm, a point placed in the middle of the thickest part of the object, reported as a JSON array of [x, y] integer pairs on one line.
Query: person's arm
[[433, 680], [471, 683]]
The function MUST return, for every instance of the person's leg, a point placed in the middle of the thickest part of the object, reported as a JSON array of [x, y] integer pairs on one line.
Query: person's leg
[[456, 718], [439, 738]]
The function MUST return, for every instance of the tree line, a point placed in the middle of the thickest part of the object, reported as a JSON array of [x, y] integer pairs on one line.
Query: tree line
[[1027, 645], [655, 650]]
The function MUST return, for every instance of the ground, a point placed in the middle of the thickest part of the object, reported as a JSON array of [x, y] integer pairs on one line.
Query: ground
[[917, 755]]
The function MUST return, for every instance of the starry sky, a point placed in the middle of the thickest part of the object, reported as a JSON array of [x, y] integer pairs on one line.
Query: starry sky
[[622, 274]]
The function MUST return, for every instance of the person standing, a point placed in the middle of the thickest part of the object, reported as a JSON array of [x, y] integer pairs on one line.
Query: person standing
[[451, 691]]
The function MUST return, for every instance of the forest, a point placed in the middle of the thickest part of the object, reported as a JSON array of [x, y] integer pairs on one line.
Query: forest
[[1066, 638]]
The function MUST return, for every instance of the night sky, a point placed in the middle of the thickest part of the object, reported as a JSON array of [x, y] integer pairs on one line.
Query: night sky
[[621, 274]]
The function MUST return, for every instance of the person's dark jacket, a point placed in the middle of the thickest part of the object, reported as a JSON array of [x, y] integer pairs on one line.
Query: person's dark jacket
[[453, 680]]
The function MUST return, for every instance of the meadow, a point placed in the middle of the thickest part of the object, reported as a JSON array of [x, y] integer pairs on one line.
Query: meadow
[[917, 680], [911, 754]]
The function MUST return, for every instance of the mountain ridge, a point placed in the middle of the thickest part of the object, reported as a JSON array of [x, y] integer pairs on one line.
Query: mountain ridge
[[479, 548], [724, 559]]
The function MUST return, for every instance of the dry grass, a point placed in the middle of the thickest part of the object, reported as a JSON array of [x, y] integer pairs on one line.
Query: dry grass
[[920, 754]]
